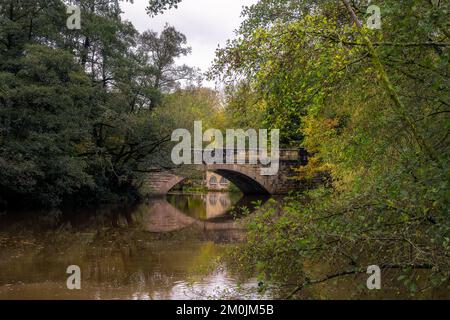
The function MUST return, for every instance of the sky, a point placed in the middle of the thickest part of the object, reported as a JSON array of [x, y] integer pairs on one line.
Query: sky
[[207, 24]]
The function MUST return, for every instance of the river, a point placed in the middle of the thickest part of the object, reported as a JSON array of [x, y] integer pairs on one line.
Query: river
[[166, 248]]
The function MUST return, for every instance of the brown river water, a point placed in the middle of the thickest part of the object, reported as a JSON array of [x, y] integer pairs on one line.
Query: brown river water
[[167, 248]]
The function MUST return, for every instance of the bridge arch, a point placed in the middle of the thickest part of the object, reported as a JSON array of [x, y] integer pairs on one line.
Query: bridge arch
[[160, 183], [247, 181]]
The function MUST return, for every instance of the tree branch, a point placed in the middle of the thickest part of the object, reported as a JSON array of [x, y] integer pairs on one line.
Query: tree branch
[[355, 271]]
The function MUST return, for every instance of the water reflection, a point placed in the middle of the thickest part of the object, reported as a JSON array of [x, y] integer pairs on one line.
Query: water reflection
[[164, 249], [162, 217], [205, 206]]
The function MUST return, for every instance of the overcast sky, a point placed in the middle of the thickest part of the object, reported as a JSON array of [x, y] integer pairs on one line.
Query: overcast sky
[[206, 24]]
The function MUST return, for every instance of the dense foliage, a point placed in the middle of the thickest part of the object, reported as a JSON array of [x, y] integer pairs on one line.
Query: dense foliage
[[79, 119], [371, 107]]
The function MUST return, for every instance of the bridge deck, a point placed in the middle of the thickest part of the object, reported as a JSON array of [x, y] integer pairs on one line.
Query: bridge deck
[[291, 155]]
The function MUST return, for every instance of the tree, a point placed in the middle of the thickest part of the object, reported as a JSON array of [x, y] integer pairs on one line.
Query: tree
[[160, 52], [156, 7], [372, 110], [45, 122], [76, 106]]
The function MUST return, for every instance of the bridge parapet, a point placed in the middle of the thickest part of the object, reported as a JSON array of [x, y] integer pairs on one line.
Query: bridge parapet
[[253, 155]]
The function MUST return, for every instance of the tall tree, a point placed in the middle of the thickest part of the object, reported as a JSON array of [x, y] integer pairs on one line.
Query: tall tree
[[160, 52], [156, 7], [76, 118], [371, 106]]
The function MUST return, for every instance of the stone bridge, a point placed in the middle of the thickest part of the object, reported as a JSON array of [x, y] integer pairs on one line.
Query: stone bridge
[[247, 177]]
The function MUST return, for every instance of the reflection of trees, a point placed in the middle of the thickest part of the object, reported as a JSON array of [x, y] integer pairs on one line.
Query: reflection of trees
[[193, 205], [116, 262], [248, 204]]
